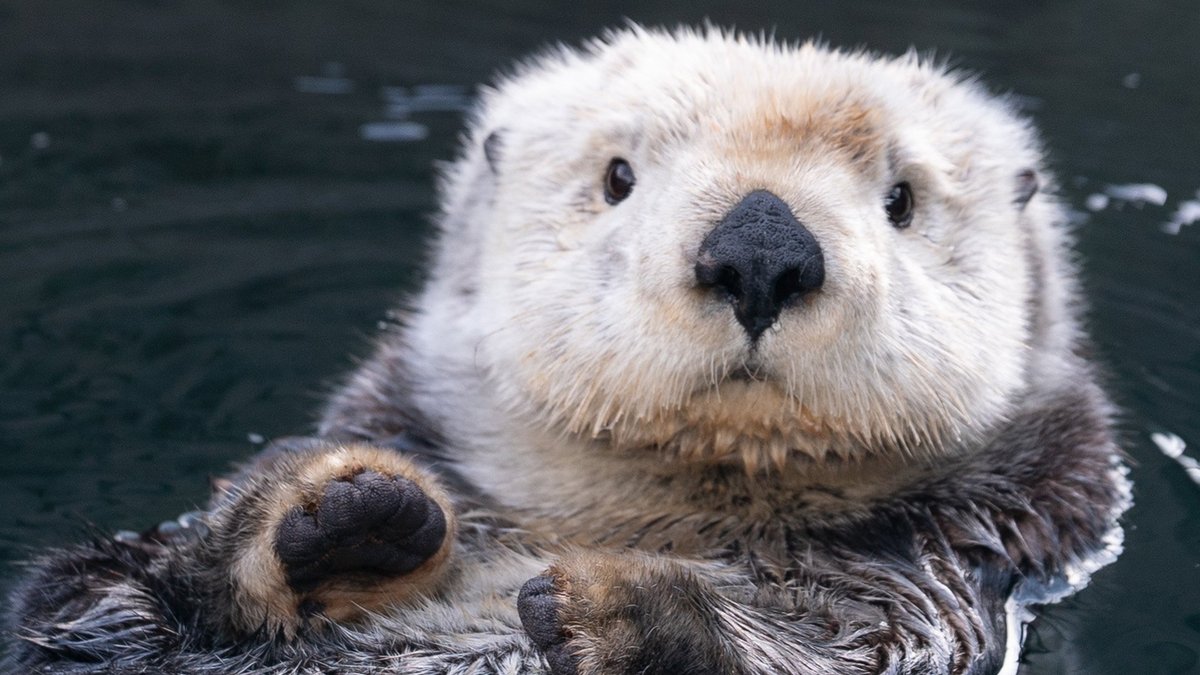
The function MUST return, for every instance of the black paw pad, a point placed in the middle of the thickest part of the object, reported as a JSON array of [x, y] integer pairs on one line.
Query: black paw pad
[[538, 609], [367, 523]]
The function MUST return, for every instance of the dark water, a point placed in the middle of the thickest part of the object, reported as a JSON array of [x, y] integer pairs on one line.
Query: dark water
[[193, 242]]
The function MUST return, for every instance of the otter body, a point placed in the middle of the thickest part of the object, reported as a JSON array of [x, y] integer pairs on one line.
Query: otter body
[[733, 357]]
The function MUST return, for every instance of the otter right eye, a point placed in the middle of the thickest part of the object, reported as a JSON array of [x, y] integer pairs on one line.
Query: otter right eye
[[618, 181], [899, 205]]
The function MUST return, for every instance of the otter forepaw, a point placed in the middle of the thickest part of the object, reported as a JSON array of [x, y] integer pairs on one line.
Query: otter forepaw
[[584, 613], [541, 615], [313, 528], [604, 613], [363, 524]]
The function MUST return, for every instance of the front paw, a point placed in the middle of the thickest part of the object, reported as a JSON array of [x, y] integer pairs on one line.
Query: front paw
[[629, 613], [544, 613], [364, 525], [333, 531]]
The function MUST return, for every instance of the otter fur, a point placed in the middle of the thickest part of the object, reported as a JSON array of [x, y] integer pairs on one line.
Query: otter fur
[[733, 357]]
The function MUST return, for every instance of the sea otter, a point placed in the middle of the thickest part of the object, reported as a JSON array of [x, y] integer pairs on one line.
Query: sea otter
[[733, 357]]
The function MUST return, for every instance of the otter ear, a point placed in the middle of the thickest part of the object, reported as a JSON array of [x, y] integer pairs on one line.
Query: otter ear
[[1027, 187], [492, 146]]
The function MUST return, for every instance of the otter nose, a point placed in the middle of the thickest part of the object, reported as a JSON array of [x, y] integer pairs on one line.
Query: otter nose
[[763, 258]]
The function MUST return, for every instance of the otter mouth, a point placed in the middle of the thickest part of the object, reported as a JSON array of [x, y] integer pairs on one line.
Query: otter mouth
[[745, 373], [750, 371]]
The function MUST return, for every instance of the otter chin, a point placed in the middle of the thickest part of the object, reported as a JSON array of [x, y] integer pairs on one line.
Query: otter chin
[[733, 356], [751, 421], [753, 424]]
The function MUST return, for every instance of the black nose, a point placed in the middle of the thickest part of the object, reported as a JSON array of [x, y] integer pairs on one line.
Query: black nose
[[763, 258]]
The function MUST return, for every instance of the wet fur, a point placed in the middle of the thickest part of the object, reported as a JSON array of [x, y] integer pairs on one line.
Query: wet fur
[[672, 531]]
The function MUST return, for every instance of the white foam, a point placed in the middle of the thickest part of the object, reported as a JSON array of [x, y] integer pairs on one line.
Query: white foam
[[1017, 617], [1138, 193], [1186, 213], [1173, 446], [1078, 574], [1096, 202]]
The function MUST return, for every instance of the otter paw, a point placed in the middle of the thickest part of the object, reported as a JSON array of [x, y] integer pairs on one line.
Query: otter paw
[[365, 524], [313, 531], [584, 613], [541, 616], [595, 612]]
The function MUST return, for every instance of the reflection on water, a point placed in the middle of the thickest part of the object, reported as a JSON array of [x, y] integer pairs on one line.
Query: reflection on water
[[207, 207], [332, 80], [402, 102]]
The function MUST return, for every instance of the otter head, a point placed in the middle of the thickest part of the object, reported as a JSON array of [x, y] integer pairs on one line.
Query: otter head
[[731, 250]]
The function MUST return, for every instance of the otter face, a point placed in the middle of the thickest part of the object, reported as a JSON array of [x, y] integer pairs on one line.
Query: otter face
[[740, 251]]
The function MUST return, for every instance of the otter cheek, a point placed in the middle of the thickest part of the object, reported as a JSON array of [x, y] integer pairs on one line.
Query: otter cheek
[[612, 264]]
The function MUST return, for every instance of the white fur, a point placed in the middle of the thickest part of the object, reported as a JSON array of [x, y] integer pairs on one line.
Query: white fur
[[583, 325]]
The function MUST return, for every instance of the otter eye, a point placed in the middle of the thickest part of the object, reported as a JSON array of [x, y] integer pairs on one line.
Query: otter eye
[[899, 205], [618, 181]]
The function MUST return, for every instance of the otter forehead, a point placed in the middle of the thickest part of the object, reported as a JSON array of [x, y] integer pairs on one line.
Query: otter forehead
[[629, 95], [653, 90]]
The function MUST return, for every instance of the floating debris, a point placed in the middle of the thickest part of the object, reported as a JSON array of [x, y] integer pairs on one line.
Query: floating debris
[[1131, 81], [119, 204], [1096, 202], [1186, 213], [393, 131], [1138, 193], [40, 140], [256, 439], [1173, 446]]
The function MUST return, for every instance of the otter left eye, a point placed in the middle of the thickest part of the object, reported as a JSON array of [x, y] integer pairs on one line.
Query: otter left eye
[[899, 205], [618, 181]]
